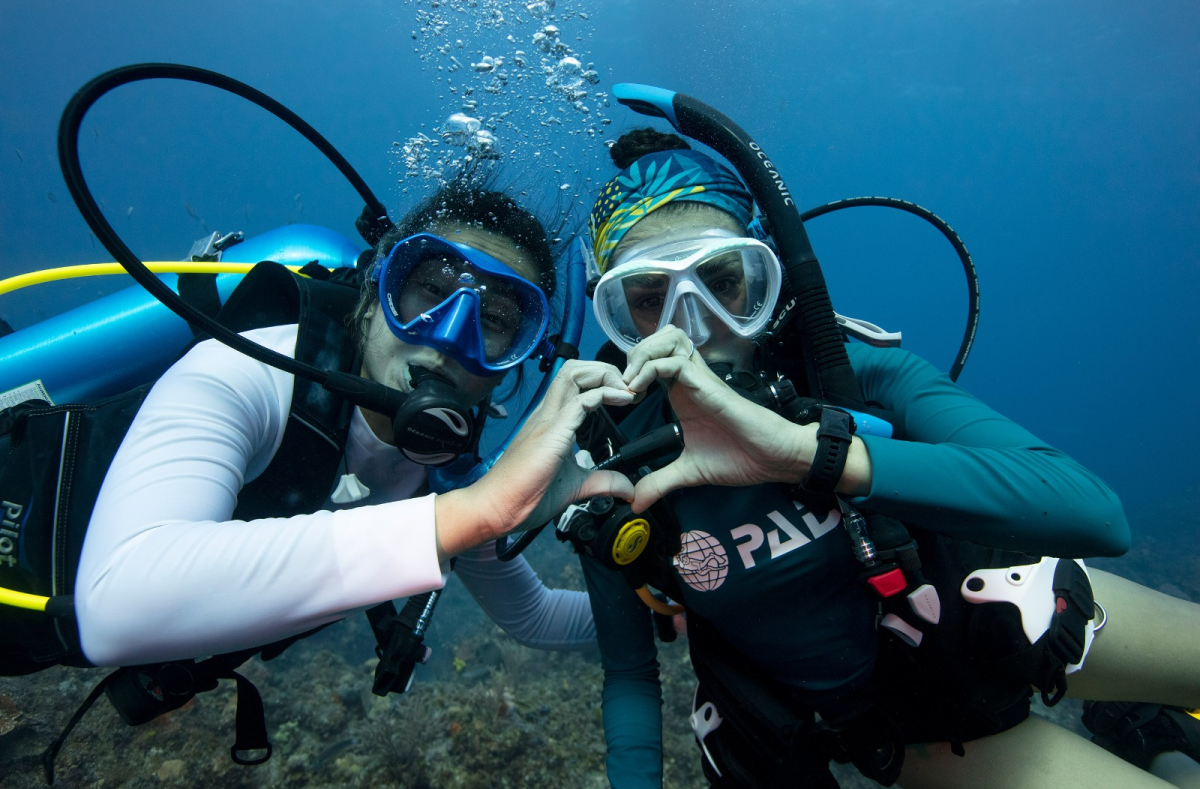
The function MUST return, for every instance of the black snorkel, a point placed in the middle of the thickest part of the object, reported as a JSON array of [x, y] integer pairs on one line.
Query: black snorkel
[[433, 426]]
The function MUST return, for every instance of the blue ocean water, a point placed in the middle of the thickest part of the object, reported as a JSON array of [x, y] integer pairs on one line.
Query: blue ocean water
[[1061, 140]]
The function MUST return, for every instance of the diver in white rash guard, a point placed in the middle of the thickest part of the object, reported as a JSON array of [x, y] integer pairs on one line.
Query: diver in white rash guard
[[166, 572]]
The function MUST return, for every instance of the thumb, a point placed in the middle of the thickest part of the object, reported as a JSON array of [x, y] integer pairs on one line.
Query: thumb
[[657, 484], [606, 483]]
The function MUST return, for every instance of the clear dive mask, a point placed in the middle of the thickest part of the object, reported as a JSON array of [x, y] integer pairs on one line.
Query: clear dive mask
[[699, 281], [461, 302]]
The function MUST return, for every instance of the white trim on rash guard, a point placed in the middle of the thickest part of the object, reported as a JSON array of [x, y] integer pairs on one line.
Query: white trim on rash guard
[[165, 575]]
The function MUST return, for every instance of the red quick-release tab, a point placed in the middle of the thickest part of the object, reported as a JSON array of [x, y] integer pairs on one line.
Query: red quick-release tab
[[889, 583]]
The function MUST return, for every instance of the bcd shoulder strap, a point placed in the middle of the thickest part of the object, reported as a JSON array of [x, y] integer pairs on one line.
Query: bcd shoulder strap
[[299, 478]]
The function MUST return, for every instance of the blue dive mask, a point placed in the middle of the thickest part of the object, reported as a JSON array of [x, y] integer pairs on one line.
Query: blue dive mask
[[461, 302]]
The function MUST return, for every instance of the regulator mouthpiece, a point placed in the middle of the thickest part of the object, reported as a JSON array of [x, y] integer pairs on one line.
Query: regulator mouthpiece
[[434, 426]]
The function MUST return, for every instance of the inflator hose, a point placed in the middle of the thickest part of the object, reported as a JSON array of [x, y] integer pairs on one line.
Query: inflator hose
[[968, 340], [360, 391]]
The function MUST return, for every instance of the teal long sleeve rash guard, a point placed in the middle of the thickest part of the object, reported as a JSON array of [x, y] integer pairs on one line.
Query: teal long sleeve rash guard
[[750, 553]]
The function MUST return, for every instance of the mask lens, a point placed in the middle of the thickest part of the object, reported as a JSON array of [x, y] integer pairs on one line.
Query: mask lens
[[436, 279], [738, 281], [428, 283], [729, 280], [646, 294]]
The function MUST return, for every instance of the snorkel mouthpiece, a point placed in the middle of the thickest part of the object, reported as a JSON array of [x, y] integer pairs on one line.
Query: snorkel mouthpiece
[[434, 426]]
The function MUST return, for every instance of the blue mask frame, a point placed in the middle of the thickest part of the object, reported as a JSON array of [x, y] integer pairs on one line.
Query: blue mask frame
[[454, 326]]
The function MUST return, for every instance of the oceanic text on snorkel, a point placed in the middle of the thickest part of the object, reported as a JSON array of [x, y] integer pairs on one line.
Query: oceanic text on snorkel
[[772, 173]]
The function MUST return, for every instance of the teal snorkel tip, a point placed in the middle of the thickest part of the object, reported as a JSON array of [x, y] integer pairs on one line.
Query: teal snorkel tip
[[648, 100]]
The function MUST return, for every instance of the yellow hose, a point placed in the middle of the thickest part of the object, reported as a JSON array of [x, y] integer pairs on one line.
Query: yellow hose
[[101, 269], [22, 600]]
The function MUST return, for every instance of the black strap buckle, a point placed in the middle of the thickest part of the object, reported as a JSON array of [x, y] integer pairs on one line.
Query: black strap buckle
[[372, 225], [562, 350]]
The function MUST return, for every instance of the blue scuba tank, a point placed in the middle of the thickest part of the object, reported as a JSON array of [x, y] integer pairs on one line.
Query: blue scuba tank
[[128, 338]]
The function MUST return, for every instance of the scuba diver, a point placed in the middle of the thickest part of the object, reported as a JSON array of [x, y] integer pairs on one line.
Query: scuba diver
[[243, 507], [840, 604], [215, 533], [166, 536]]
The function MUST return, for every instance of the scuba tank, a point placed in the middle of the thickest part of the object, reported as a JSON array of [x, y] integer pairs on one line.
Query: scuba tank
[[129, 338]]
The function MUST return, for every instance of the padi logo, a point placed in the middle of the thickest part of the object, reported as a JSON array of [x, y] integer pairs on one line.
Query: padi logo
[[10, 531], [786, 537], [703, 563], [773, 174]]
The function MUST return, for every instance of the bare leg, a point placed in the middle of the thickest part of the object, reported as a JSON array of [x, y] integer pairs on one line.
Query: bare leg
[[1149, 649], [1035, 754], [1177, 769]]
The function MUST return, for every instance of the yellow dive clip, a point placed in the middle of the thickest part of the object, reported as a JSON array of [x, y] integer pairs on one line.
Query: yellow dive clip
[[630, 541]]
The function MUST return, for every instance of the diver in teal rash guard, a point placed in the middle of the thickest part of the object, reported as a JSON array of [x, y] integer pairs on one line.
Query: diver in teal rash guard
[[779, 621]]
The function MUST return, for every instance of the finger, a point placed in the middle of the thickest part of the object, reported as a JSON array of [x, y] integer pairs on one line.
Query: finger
[[659, 369], [577, 376], [606, 483], [667, 341], [605, 395], [657, 484], [588, 375]]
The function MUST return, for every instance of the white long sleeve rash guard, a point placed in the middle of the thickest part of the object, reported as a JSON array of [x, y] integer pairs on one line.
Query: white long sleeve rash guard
[[165, 574]]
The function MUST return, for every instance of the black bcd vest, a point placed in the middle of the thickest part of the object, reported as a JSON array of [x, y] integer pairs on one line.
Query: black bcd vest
[[55, 459]]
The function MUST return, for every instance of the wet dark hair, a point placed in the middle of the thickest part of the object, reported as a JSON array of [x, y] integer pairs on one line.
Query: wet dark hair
[[484, 208], [634, 144]]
